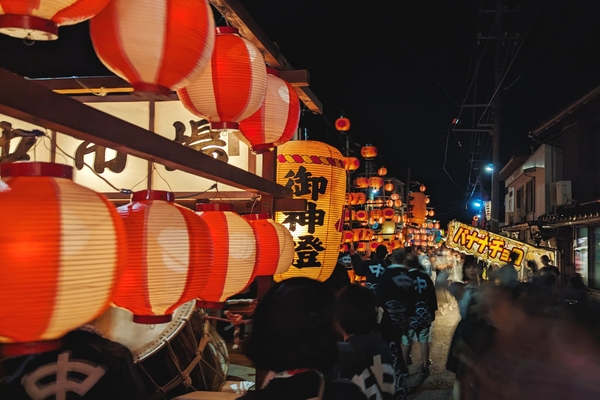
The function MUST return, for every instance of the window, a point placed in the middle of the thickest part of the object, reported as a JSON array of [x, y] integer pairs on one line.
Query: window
[[519, 199], [580, 248], [594, 278], [530, 196]]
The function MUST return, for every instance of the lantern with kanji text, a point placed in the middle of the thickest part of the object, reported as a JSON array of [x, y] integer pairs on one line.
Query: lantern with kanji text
[[63, 251]]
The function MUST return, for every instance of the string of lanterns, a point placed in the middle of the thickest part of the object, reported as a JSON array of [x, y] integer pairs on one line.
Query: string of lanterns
[[66, 258]]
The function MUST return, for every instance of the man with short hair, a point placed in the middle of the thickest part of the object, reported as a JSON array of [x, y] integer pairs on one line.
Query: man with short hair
[[548, 269], [507, 274], [372, 269]]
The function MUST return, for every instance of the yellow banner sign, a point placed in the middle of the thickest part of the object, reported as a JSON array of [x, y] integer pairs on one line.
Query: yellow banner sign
[[489, 246]]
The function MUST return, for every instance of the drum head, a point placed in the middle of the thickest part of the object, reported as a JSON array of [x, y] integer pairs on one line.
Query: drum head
[[143, 340]]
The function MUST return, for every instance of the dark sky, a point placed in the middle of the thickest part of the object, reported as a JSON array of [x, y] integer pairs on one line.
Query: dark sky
[[400, 72]]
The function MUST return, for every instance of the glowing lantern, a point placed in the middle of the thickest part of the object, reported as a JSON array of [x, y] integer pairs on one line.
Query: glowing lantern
[[347, 215], [361, 183], [394, 196], [233, 252], [430, 225], [398, 203], [389, 187], [52, 249], [427, 200], [397, 218], [417, 237], [373, 246], [395, 244], [379, 202], [40, 19], [389, 203], [342, 124], [276, 121], [317, 230], [431, 213], [343, 248], [347, 236], [361, 215], [436, 225], [351, 163], [419, 211], [375, 182], [356, 235], [388, 213], [422, 188], [368, 152], [349, 198], [382, 171], [274, 245], [361, 247], [376, 213], [232, 87], [167, 262], [157, 46], [361, 198]]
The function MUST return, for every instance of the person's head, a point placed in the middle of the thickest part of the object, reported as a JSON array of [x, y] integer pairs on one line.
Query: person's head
[[293, 327], [356, 310], [381, 252], [532, 265], [398, 256], [513, 256], [412, 261], [472, 270], [545, 260], [345, 259]]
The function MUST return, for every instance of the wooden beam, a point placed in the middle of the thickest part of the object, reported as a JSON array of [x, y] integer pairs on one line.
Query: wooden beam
[[237, 16], [296, 77], [28, 101]]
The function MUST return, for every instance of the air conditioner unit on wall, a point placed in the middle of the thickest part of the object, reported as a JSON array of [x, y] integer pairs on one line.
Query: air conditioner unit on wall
[[560, 193]]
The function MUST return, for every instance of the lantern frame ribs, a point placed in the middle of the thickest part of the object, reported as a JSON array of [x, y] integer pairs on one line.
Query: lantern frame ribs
[[33, 103]]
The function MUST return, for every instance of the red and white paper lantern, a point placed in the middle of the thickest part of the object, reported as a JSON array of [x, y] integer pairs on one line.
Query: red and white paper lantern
[[169, 257], [232, 87], [63, 250], [158, 46], [274, 245], [40, 19], [233, 253]]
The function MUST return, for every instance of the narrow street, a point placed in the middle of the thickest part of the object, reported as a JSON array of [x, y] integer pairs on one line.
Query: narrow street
[[438, 386]]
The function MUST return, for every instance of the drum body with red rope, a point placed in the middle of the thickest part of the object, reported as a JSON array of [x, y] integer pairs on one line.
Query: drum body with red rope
[[174, 358]]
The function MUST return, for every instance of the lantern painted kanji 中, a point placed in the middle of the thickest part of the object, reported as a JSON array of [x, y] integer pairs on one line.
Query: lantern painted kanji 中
[[157, 46], [63, 251], [40, 19], [315, 172], [274, 245], [233, 252], [168, 259], [276, 121], [233, 85]]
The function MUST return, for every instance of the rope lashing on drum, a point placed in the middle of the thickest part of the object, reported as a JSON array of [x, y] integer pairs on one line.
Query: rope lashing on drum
[[236, 320]]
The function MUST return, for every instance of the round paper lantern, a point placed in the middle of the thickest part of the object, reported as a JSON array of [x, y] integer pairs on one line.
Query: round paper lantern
[[233, 85], [389, 187], [422, 188], [361, 215], [361, 247], [361, 198], [315, 172], [342, 124], [63, 250], [374, 245], [344, 248], [388, 213], [276, 121], [361, 183], [430, 225], [349, 199], [375, 182], [398, 203], [368, 151], [233, 253], [395, 244], [376, 213], [40, 19], [347, 236], [157, 46], [351, 163], [427, 200], [394, 196], [274, 245], [382, 171], [431, 213], [389, 203], [167, 257], [436, 225]]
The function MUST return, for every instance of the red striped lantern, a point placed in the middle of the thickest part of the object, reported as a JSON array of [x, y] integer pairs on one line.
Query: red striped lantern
[[276, 120], [63, 250], [157, 46], [40, 19], [168, 262], [234, 253], [274, 245], [232, 87]]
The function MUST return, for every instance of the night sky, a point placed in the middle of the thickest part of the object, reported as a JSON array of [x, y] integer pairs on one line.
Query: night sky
[[400, 71]]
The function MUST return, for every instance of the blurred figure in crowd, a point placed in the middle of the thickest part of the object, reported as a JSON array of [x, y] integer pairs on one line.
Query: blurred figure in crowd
[[295, 340], [548, 268], [507, 274], [531, 271], [372, 269]]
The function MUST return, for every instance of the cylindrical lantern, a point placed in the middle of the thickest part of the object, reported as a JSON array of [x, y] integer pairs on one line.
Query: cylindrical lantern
[[276, 121], [361, 182], [394, 196], [349, 199], [389, 187], [232, 87], [361, 215], [62, 248], [40, 19], [375, 182], [389, 203], [342, 124], [422, 188], [374, 245], [382, 171], [234, 252], [347, 236], [361, 198], [419, 210], [167, 257], [427, 200], [388, 213], [157, 46], [398, 203], [351, 163], [274, 245], [315, 172], [376, 213], [368, 151]]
